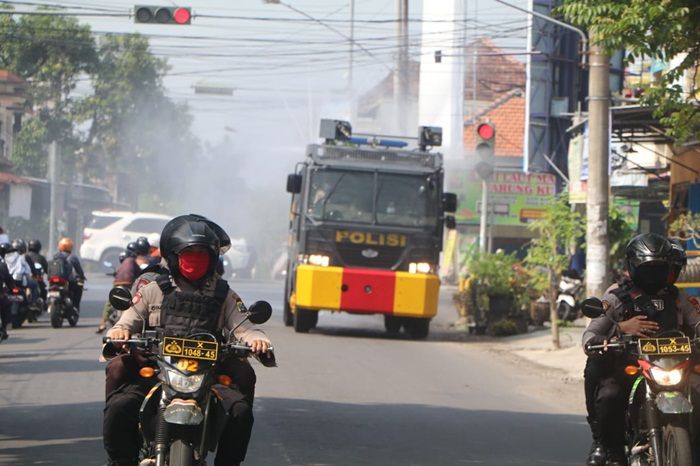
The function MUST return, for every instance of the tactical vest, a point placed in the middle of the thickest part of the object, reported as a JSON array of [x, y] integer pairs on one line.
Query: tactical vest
[[185, 313], [662, 309]]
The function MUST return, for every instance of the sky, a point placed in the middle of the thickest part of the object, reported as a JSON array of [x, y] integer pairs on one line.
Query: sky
[[287, 72]]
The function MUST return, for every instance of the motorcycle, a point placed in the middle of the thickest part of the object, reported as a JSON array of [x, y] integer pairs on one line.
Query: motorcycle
[[658, 414], [182, 417], [60, 305], [568, 297], [19, 307]]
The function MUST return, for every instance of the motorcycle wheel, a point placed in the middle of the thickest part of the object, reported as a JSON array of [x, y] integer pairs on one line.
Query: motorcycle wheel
[[73, 319], [305, 320], [676, 446], [16, 313], [565, 312], [56, 316], [181, 454]]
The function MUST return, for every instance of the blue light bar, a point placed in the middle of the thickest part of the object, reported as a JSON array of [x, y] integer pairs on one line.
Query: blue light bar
[[378, 142]]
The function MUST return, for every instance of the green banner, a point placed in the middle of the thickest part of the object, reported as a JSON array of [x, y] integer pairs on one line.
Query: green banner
[[515, 198]]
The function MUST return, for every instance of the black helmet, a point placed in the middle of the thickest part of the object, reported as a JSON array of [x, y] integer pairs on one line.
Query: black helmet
[[191, 230], [679, 259], [648, 260], [34, 245], [142, 246], [124, 254], [5, 248], [19, 245]]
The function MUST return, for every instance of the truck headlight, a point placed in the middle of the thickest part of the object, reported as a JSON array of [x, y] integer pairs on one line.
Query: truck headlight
[[185, 383], [420, 267], [666, 378], [315, 259]]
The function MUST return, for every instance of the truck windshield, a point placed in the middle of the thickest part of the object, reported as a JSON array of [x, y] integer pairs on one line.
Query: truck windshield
[[362, 197]]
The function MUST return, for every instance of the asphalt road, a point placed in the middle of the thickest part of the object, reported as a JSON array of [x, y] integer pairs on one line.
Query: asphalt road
[[343, 395]]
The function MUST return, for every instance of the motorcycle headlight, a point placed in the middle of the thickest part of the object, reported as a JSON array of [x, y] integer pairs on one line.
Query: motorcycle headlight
[[185, 383], [666, 378]]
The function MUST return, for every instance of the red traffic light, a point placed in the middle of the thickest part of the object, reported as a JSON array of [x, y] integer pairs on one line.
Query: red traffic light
[[485, 131], [182, 16]]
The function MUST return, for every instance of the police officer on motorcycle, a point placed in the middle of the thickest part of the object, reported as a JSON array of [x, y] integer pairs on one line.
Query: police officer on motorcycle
[[643, 305], [189, 295]]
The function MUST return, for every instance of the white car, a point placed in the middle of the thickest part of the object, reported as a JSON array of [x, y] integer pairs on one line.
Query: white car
[[239, 260], [108, 233]]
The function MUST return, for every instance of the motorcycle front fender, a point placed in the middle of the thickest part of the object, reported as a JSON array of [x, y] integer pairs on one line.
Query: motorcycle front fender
[[149, 412], [673, 403]]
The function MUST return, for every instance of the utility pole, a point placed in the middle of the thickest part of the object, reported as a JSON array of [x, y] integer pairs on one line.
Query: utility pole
[[351, 61], [401, 75], [53, 178], [598, 161]]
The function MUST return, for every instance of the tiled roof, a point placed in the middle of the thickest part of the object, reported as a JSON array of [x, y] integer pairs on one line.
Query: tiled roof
[[9, 76], [508, 116]]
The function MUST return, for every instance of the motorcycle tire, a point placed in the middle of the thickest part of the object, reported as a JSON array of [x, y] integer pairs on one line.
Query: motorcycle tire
[[677, 449], [565, 312], [417, 328], [73, 319], [305, 320], [56, 316], [17, 317], [181, 454], [392, 324]]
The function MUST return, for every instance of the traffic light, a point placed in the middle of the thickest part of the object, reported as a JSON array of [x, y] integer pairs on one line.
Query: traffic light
[[485, 140], [162, 14]]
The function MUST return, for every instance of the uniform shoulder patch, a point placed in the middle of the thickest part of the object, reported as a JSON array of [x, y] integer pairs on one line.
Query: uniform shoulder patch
[[141, 283], [695, 303]]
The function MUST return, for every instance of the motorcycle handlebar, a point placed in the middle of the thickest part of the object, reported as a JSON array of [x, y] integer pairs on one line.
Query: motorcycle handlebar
[[145, 341]]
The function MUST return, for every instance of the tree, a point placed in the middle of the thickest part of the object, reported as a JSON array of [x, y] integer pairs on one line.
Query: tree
[[134, 128], [559, 230], [661, 30], [51, 52]]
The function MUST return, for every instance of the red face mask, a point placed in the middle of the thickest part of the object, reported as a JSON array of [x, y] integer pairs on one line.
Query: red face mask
[[193, 264]]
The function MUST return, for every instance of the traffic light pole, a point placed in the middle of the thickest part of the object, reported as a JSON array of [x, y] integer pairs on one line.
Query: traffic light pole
[[483, 225]]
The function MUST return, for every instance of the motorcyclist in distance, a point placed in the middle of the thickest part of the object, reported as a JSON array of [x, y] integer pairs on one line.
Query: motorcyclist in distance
[[125, 275], [34, 253], [22, 267], [6, 284], [189, 296], [645, 304], [75, 276]]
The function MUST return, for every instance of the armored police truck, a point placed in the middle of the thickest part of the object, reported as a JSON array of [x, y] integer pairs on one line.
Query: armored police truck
[[366, 228]]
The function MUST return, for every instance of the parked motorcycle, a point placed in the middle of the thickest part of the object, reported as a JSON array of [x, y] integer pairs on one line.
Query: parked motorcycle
[[570, 289], [659, 410], [182, 417], [60, 306]]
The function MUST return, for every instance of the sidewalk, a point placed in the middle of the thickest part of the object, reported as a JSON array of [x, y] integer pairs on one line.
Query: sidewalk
[[537, 348]]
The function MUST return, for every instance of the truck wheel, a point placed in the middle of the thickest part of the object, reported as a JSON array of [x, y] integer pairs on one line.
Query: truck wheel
[[417, 328], [392, 324], [305, 320], [287, 315]]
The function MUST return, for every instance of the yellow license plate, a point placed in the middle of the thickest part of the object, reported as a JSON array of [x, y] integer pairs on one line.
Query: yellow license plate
[[664, 346], [192, 349]]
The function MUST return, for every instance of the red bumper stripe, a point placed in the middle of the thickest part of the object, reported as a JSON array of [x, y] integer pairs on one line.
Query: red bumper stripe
[[368, 290]]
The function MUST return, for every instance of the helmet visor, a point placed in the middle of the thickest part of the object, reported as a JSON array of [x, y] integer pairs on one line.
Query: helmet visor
[[652, 276]]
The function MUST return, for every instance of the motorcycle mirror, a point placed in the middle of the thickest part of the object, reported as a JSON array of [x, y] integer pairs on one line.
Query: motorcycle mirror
[[592, 308], [259, 312], [120, 298]]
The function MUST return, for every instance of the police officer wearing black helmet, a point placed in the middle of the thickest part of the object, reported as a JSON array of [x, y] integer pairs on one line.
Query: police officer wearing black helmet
[[6, 283], [189, 296], [642, 305]]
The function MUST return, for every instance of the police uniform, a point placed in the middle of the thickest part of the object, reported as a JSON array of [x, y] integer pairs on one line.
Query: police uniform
[[607, 386], [180, 309]]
